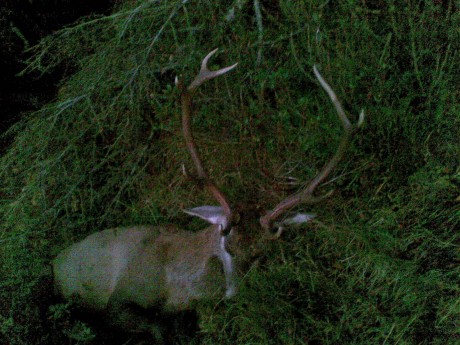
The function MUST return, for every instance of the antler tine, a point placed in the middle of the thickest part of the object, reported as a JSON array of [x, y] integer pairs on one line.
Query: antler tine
[[306, 196], [186, 100], [206, 74]]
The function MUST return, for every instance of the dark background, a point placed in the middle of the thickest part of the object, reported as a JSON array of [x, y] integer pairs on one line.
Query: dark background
[[33, 20]]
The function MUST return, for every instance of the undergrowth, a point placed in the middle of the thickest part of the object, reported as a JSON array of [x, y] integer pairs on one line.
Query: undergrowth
[[380, 265]]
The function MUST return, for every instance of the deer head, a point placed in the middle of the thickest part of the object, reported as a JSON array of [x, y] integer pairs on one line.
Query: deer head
[[271, 223]]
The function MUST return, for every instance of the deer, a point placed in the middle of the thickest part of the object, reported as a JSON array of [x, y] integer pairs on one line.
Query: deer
[[123, 270]]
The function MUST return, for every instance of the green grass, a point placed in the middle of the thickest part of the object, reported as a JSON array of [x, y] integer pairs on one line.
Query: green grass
[[380, 265]]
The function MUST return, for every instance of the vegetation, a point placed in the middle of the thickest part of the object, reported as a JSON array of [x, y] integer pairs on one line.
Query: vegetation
[[380, 265]]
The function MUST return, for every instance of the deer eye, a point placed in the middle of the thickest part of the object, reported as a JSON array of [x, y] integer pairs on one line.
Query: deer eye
[[225, 231], [275, 229]]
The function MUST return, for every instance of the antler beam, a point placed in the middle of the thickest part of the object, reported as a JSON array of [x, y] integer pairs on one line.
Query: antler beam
[[186, 100], [306, 196]]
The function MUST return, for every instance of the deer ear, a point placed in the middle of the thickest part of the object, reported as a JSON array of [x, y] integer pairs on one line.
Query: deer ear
[[211, 214], [298, 218]]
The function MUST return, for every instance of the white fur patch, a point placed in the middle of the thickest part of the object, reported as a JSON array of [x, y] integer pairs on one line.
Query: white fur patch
[[229, 270]]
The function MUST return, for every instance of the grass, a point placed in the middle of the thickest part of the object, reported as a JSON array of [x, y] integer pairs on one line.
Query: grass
[[380, 265]]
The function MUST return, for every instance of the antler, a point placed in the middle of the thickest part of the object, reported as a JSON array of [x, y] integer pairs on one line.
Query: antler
[[186, 99], [306, 196]]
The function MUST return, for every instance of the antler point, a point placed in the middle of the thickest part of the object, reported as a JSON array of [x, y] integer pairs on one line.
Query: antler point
[[362, 115]]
